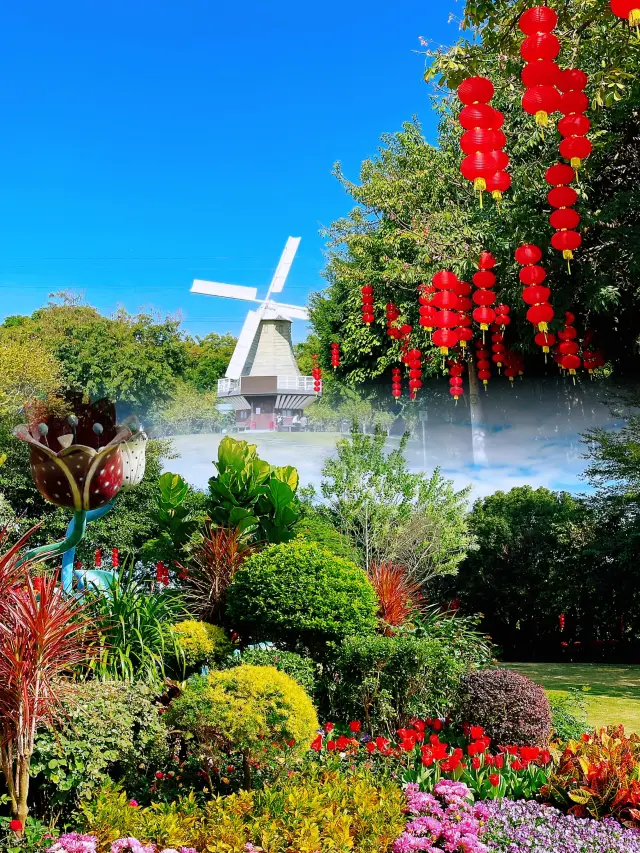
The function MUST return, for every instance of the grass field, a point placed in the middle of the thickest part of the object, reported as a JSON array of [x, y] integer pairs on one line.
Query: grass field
[[614, 696]]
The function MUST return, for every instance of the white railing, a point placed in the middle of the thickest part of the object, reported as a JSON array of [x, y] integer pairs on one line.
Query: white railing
[[227, 386], [295, 383], [300, 384]]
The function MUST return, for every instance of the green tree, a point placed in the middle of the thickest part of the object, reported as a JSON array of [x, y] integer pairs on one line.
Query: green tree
[[188, 411], [526, 568], [414, 213], [390, 513], [208, 359], [132, 359], [26, 371]]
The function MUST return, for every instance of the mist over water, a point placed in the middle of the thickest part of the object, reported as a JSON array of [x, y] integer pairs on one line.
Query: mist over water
[[528, 434]]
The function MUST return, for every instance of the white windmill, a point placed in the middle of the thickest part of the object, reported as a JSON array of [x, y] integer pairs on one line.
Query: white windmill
[[263, 382]]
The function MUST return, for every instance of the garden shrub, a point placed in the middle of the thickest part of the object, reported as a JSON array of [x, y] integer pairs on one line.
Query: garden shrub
[[109, 729], [255, 712], [568, 715], [300, 595], [304, 670], [321, 811], [510, 708], [201, 643], [597, 776], [386, 681]]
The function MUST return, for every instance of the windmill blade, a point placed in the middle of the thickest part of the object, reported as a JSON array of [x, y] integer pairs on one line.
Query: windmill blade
[[230, 291], [243, 346], [284, 265], [291, 312]]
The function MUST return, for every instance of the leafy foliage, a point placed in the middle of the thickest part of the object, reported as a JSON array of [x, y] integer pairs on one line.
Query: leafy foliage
[[26, 371], [136, 631], [208, 358], [201, 643], [249, 494], [174, 519], [568, 715], [300, 596], [387, 681], [213, 563], [106, 729], [246, 710], [391, 514], [321, 811], [597, 777], [188, 411], [510, 708], [302, 669]]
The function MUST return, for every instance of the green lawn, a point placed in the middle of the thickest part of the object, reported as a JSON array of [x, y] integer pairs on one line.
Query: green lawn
[[615, 690]]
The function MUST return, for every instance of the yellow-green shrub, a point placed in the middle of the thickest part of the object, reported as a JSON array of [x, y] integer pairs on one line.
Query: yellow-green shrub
[[201, 643], [248, 710], [322, 811]]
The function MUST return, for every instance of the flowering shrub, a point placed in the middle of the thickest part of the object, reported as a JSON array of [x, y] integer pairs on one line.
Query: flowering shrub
[[73, 842], [508, 706], [599, 776], [324, 810], [429, 751], [252, 712], [528, 827], [447, 821]]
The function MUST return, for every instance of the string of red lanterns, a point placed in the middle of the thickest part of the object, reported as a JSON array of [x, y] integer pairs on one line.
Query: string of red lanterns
[[483, 142], [335, 355], [367, 305], [396, 382], [447, 318], [483, 365], [162, 573], [484, 297], [568, 346], [456, 382], [563, 219], [316, 372], [428, 312], [535, 294], [539, 50], [465, 304], [393, 313]]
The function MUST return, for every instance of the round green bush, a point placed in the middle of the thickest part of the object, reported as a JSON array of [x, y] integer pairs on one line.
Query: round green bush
[[510, 708], [300, 596], [201, 643], [245, 710], [303, 669]]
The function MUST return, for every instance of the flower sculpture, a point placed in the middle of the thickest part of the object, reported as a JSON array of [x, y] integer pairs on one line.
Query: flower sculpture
[[81, 462], [76, 462]]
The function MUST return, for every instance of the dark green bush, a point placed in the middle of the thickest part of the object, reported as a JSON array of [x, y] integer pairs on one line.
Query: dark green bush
[[109, 729], [304, 670], [300, 596], [385, 681], [510, 708]]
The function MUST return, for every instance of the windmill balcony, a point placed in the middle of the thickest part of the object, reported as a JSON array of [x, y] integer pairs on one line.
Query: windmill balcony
[[266, 385]]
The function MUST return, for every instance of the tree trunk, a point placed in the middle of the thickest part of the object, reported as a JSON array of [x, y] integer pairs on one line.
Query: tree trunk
[[246, 770]]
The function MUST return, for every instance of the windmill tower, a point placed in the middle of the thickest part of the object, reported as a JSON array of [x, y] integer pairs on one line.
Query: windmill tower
[[263, 382]]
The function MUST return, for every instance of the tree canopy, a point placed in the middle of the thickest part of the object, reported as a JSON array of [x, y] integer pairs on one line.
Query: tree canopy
[[415, 214]]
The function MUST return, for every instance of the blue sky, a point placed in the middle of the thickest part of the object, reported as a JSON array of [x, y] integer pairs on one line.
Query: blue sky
[[145, 144]]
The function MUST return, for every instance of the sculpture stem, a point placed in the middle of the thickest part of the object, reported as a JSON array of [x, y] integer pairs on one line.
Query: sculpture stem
[[69, 555], [75, 532]]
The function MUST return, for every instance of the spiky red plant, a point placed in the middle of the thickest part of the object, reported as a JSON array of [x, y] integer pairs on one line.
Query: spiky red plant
[[399, 596], [42, 636], [214, 562]]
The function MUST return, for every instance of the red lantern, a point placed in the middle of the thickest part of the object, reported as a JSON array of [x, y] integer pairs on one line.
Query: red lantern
[[528, 254], [574, 103], [541, 101], [543, 72], [482, 139], [536, 293], [396, 382], [564, 219], [97, 560], [562, 197], [335, 355], [481, 115], [539, 19], [445, 339], [392, 315], [566, 242], [572, 80], [541, 315], [502, 315], [498, 184], [475, 90], [574, 125], [576, 149], [540, 46], [629, 9], [533, 274], [545, 340], [115, 558]]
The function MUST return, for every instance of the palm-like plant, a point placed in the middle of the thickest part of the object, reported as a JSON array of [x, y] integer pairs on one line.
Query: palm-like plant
[[398, 595], [136, 632], [214, 562], [42, 636]]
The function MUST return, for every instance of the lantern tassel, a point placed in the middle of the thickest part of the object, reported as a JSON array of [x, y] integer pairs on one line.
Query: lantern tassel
[[542, 119], [634, 18]]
